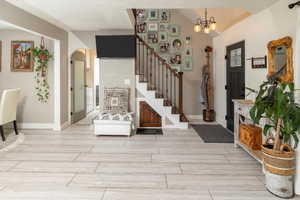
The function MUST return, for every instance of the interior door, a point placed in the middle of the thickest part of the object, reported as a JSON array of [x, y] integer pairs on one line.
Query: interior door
[[148, 117], [78, 90], [235, 78]]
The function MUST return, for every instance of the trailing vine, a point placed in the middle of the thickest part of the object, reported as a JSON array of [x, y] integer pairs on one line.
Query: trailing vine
[[41, 57]]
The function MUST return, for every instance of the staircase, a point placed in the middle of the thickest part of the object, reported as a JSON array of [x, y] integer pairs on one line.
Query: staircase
[[160, 85]]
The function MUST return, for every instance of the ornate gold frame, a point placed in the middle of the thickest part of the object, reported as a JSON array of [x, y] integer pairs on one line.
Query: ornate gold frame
[[287, 41]]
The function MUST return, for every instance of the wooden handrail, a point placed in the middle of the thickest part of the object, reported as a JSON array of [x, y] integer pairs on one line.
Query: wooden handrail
[[158, 56], [166, 82]]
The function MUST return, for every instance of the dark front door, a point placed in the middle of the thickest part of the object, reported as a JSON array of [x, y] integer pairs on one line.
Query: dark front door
[[148, 117], [235, 78]]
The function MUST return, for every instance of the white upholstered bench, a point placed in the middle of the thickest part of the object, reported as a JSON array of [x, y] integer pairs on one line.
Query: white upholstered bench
[[115, 119]]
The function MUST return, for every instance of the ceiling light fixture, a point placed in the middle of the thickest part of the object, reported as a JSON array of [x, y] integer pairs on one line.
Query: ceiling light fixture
[[205, 25]]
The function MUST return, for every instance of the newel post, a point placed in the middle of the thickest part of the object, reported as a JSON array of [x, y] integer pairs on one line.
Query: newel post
[[180, 86]]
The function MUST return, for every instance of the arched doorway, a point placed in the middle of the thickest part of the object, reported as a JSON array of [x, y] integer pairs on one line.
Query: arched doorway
[[78, 85]]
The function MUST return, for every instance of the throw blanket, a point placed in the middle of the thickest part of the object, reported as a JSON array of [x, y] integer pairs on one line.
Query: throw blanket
[[116, 116]]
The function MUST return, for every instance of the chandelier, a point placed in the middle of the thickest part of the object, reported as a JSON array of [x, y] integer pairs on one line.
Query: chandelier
[[205, 25]]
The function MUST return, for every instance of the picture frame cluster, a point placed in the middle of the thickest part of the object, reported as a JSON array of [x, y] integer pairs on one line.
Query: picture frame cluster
[[155, 27]]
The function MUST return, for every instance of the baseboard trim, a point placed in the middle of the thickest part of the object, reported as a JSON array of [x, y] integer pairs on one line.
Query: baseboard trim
[[194, 117], [35, 125], [65, 125]]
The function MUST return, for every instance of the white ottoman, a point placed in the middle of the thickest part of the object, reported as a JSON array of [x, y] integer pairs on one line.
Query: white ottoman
[[107, 124]]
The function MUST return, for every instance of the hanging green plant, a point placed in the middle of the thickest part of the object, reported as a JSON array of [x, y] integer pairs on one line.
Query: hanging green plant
[[41, 57]]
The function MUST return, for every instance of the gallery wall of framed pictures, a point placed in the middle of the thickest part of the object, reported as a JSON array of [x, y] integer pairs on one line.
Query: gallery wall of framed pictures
[[155, 27]]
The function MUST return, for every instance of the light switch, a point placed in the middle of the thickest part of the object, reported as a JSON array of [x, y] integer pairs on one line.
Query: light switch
[[127, 81]]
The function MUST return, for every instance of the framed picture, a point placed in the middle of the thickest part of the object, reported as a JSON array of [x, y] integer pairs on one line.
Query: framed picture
[[166, 58], [153, 14], [141, 28], [163, 36], [152, 27], [188, 51], [176, 44], [175, 59], [141, 15], [21, 56], [152, 37], [163, 27], [188, 40], [164, 47], [174, 30], [0, 55], [187, 63], [164, 15]]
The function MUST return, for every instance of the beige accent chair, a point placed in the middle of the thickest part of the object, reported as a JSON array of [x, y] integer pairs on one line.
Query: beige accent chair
[[8, 109]]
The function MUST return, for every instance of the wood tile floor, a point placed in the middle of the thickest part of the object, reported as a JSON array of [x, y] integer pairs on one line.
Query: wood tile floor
[[76, 165]]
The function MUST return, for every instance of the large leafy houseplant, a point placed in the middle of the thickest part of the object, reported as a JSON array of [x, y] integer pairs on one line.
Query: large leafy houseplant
[[275, 102]]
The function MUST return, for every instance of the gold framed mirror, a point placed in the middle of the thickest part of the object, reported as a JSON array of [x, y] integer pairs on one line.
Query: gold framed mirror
[[280, 57]]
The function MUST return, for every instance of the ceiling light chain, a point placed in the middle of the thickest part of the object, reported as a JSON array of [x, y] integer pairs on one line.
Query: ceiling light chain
[[205, 25]]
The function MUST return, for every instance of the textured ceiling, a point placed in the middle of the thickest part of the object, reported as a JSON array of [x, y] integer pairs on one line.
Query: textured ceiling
[[87, 15]]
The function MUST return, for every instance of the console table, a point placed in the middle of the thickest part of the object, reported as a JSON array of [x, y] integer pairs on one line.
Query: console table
[[242, 108]]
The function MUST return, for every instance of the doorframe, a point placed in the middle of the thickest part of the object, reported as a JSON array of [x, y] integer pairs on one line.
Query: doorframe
[[226, 67], [70, 83]]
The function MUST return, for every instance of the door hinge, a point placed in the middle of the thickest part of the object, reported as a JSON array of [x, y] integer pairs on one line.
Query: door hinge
[[225, 57], [71, 62], [226, 87], [71, 89], [226, 117], [71, 113]]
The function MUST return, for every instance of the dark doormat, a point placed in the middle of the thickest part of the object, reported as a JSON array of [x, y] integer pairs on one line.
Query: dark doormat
[[213, 133], [149, 131]]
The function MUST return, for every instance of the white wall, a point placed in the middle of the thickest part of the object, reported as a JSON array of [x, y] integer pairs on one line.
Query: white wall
[[113, 74], [27, 21], [30, 109], [257, 30]]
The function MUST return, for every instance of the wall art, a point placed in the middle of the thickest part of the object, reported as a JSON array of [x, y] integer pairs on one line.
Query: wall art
[[176, 44], [141, 28], [163, 36], [188, 40], [153, 37], [152, 27], [174, 30], [175, 59], [153, 14], [187, 63], [21, 56], [164, 15], [166, 58], [164, 47], [188, 51], [163, 27], [141, 15]]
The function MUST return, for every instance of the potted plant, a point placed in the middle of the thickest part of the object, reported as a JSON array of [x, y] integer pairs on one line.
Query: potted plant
[[41, 57], [275, 103]]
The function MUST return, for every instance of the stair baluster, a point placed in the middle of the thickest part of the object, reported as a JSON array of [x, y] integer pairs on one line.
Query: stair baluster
[[159, 75]]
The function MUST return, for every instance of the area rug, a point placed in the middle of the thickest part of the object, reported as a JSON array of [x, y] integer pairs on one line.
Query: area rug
[[150, 131], [214, 133], [12, 141]]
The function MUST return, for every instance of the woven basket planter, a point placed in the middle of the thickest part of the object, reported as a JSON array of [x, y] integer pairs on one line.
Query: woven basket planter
[[280, 169]]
